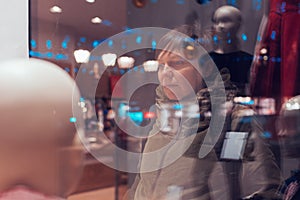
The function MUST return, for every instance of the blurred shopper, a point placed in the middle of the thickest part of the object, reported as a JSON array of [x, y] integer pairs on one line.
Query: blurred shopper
[[184, 143]]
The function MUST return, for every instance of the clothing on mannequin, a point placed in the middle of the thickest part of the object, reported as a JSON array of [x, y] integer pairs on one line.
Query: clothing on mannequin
[[275, 71]]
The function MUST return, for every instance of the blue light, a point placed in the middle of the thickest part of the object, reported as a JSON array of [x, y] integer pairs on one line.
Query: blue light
[[67, 69], [81, 99], [142, 70], [138, 39], [189, 40], [201, 40], [231, 2], [229, 41], [153, 44], [251, 102], [98, 58], [110, 43], [115, 69], [278, 59], [61, 57], [282, 7], [48, 44], [215, 38], [73, 119], [177, 107], [122, 110], [273, 35], [128, 30], [64, 44], [122, 71], [35, 54], [82, 39], [76, 69], [153, 1], [67, 38], [273, 59], [33, 44], [266, 134], [246, 120], [31, 53], [244, 37], [136, 68], [106, 22], [256, 4], [83, 70], [180, 2], [136, 117], [259, 38], [49, 54], [96, 43]]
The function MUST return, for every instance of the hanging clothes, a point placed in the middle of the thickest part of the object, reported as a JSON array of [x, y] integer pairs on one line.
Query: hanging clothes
[[276, 69]]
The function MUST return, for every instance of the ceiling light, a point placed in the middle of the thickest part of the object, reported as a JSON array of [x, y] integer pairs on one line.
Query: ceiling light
[[81, 56], [96, 20], [150, 66], [139, 3], [90, 1], [55, 9], [125, 62], [109, 59]]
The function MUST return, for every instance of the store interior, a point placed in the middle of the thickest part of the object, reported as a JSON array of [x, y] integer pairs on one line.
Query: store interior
[[108, 47]]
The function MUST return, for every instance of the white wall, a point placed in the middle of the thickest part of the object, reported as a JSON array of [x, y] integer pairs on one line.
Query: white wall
[[14, 29]]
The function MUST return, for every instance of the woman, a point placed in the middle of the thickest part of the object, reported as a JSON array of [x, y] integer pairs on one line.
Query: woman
[[185, 154]]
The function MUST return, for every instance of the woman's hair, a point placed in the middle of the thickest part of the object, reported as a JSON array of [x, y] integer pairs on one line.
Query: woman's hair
[[185, 40]]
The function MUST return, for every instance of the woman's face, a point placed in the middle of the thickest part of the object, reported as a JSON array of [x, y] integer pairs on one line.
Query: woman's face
[[177, 76]]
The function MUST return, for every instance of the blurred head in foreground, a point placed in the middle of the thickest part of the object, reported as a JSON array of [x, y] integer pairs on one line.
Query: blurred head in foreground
[[39, 147]]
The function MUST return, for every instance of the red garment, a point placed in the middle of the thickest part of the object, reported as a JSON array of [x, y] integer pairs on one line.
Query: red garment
[[23, 193], [279, 76]]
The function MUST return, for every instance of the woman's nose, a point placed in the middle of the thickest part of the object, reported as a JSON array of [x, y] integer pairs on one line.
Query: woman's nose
[[167, 71], [220, 25]]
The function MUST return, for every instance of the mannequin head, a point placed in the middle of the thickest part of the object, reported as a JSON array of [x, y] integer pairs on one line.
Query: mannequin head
[[39, 147], [226, 22]]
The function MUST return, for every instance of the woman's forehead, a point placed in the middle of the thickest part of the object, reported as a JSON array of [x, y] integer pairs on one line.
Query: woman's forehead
[[163, 55]]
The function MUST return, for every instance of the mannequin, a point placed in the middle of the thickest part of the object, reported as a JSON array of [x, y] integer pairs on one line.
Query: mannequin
[[228, 56], [40, 155], [226, 23]]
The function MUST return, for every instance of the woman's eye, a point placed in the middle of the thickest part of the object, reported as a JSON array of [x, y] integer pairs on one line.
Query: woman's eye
[[177, 64]]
